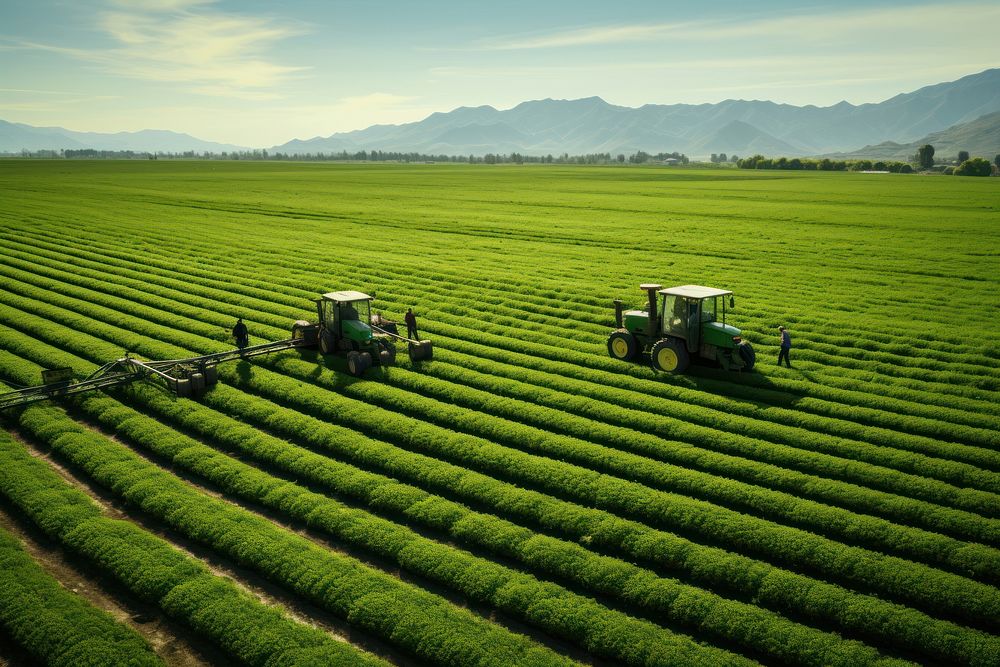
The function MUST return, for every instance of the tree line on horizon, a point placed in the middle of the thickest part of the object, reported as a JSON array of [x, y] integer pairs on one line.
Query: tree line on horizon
[[923, 159], [639, 157]]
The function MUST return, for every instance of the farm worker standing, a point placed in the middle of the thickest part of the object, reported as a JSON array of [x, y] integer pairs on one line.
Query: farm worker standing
[[241, 334], [786, 345], [411, 324]]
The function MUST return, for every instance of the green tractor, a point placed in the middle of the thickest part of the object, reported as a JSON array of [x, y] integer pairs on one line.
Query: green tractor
[[680, 323], [345, 327]]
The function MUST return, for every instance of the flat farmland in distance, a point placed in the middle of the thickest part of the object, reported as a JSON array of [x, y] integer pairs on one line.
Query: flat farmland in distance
[[522, 498]]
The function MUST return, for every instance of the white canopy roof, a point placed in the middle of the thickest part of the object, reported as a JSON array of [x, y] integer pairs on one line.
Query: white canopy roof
[[695, 291], [347, 295]]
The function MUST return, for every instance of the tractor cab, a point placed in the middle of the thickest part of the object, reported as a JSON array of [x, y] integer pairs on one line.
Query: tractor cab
[[347, 317], [696, 314], [679, 323]]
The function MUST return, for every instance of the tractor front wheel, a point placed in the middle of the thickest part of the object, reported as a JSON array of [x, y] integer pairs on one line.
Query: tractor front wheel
[[748, 356], [622, 345], [358, 363], [669, 355]]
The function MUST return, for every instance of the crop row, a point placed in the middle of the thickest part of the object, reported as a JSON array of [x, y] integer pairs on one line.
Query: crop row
[[939, 416], [936, 590], [544, 605], [526, 288], [53, 625], [417, 621], [768, 585], [154, 571], [610, 405], [777, 506], [758, 631], [410, 278], [933, 548], [561, 340], [680, 428]]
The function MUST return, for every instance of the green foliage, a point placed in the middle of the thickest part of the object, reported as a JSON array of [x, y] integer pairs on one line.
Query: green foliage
[[925, 156], [54, 625], [977, 166], [833, 514]]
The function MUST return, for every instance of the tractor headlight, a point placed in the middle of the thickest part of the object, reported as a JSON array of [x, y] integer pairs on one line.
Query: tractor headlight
[[737, 339]]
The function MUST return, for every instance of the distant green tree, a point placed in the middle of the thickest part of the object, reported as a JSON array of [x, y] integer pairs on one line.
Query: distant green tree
[[925, 156], [996, 161], [621, 157], [963, 156], [977, 166]]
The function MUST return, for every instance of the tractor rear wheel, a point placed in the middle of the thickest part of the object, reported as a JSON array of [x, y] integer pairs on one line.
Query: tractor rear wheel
[[622, 345], [326, 343], [748, 355], [669, 355]]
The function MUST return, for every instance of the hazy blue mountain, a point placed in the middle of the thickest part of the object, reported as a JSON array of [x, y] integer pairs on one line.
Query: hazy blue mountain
[[591, 125], [981, 137], [15, 137]]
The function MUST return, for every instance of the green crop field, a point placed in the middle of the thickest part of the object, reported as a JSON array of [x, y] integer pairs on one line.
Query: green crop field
[[523, 498]]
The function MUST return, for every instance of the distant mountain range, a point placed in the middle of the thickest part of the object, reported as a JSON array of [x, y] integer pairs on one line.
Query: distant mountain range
[[958, 115], [980, 137], [15, 137]]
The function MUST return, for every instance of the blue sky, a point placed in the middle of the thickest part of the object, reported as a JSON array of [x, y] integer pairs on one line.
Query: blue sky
[[260, 73]]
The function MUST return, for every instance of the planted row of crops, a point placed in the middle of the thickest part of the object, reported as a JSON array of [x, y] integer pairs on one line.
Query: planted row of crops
[[903, 483], [562, 558], [761, 513], [767, 540], [864, 416], [987, 504], [173, 352]]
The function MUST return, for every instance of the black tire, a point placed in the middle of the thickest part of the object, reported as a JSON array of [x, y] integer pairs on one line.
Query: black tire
[[197, 384], [366, 361], [387, 356], [422, 351], [670, 356], [327, 345], [623, 345], [748, 355], [356, 364]]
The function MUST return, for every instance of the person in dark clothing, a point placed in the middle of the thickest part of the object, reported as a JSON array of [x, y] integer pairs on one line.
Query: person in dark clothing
[[411, 324], [241, 334], [786, 346]]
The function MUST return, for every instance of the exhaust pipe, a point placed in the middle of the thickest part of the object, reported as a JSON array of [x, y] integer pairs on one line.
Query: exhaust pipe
[[651, 292], [618, 313]]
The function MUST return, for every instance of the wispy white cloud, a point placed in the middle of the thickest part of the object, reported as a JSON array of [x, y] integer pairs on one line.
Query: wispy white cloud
[[186, 42], [880, 23]]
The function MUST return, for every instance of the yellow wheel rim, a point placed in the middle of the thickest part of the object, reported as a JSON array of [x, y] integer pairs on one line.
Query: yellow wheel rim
[[666, 359], [620, 347]]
